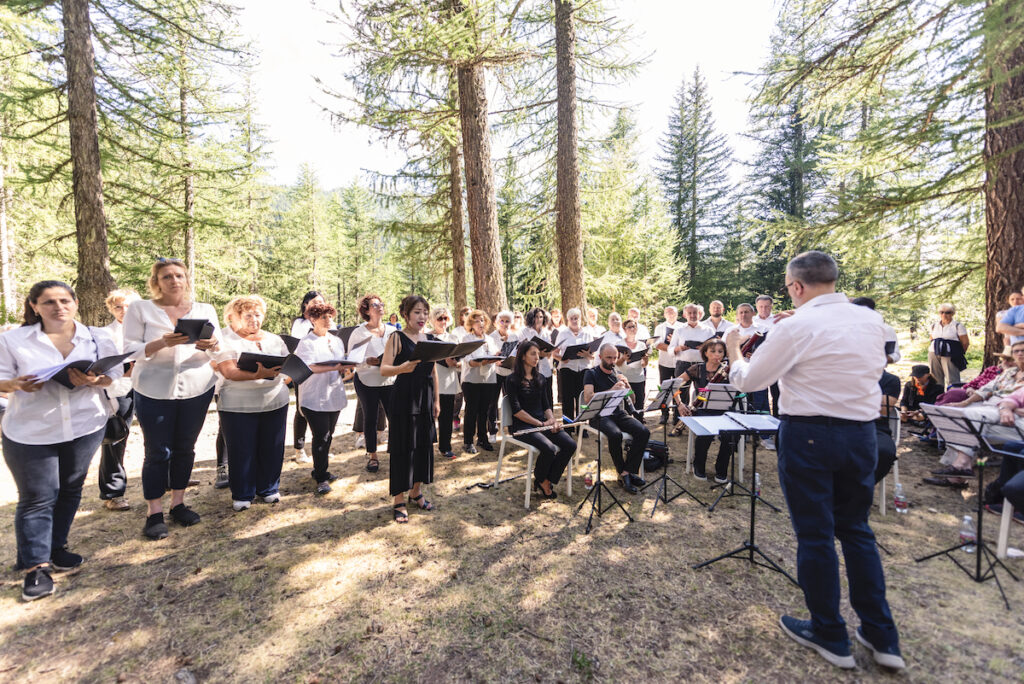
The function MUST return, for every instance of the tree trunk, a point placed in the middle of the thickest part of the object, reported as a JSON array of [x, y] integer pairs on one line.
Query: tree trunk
[[1004, 198], [481, 205], [189, 180], [458, 240], [94, 279], [568, 228]]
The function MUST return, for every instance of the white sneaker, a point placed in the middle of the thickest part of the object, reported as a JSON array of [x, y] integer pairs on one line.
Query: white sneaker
[[240, 505], [303, 456], [272, 498], [768, 444], [492, 437], [360, 441]]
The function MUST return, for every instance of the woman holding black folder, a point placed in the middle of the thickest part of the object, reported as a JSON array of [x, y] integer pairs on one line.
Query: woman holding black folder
[[51, 432], [371, 387], [252, 406], [173, 382], [570, 372], [478, 383], [300, 328], [414, 408], [635, 371], [537, 325]]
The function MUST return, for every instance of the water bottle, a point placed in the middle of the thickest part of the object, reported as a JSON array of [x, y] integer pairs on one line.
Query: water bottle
[[588, 478], [899, 499], [968, 534], [757, 484]]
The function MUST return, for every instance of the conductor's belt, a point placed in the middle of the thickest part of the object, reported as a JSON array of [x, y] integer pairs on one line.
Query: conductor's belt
[[823, 420]]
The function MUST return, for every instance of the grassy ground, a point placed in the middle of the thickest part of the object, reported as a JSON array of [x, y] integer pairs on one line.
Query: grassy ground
[[329, 589]]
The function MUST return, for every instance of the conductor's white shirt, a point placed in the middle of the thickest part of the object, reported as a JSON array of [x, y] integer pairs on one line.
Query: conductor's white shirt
[[53, 414], [178, 372], [827, 358]]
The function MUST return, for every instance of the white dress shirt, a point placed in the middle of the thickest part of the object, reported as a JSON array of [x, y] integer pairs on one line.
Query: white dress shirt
[[765, 324], [512, 337], [667, 358], [544, 366], [722, 327], [53, 414], [567, 338], [122, 386], [322, 391], [642, 331], [890, 336], [827, 359], [250, 396], [370, 375], [690, 333], [301, 327], [483, 374], [179, 372], [595, 330], [447, 377]]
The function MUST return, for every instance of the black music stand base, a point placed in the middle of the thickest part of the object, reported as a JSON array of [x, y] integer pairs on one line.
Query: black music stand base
[[729, 486], [663, 480], [594, 496]]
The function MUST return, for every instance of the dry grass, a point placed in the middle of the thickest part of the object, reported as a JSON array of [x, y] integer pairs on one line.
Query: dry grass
[[329, 589]]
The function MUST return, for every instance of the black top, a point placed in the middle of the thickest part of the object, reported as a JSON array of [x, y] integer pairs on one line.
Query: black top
[[912, 399], [890, 385], [412, 393], [602, 382], [527, 395], [698, 372]]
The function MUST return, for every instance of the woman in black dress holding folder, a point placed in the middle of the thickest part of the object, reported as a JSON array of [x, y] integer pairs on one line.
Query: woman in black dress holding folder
[[531, 407], [415, 406]]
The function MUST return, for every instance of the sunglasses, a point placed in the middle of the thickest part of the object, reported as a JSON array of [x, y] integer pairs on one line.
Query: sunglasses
[[443, 318]]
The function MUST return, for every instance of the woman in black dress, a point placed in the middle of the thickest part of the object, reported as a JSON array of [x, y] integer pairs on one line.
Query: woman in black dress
[[713, 369], [530, 402], [415, 406]]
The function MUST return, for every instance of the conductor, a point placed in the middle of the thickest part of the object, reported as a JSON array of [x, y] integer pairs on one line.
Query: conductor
[[827, 358]]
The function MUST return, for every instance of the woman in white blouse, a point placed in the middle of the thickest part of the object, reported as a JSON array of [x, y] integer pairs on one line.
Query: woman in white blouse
[[502, 334], [479, 383], [635, 372], [322, 396], [447, 382], [300, 328], [570, 373], [173, 382], [538, 324], [372, 388], [111, 477], [50, 432], [252, 405]]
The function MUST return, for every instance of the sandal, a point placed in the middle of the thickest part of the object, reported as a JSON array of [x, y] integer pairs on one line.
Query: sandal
[[422, 503], [372, 465], [401, 515]]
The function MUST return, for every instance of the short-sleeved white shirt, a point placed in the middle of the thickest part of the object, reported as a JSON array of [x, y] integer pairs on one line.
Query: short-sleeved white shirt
[[321, 391], [666, 359], [447, 376], [483, 374], [953, 331], [690, 333], [250, 396], [568, 338]]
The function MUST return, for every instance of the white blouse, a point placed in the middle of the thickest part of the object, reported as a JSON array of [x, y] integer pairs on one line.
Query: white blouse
[[566, 339], [498, 342], [250, 396], [544, 367], [53, 414], [447, 377], [370, 375], [122, 386], [636, 371], [322, 391], [179, 372], [483, 374], [666, 359], [301, 327]]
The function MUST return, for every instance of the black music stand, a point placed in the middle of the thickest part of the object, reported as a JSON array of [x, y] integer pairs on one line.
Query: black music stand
[[601, 404], [958, 429], [664, 398], [742, 424]]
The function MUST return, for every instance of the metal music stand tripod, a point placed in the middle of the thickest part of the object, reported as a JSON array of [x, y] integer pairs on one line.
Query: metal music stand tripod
[[957, 429], [742, 424], [664, 399], [601, 404]]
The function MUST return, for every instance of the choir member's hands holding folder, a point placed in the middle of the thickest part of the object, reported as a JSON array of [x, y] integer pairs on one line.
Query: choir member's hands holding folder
[[79, 373], [586, 351]]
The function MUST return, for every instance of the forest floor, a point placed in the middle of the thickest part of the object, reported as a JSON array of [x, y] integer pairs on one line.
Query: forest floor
[[481, 589]]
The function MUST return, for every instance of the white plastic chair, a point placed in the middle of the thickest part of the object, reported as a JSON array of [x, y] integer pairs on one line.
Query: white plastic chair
[[532, 452], [894, 427], [1004, 529]]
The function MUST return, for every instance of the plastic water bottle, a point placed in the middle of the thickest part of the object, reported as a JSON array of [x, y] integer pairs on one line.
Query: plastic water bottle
[[588, 478], [968, 534], [899, 499], [757, 484]]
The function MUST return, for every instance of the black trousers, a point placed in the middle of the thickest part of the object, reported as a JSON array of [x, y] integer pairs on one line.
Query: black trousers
[[492, 409], [112, 479], [886, 454], [298, 423], [556, 448], [613, 427], [774, 390], [444, 422], [639, 392], [221, 446], [663, 375], [477, 396], [570, 384], [321, 424], [374, 402]]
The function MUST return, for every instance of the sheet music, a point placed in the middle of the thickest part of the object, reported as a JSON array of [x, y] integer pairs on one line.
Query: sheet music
[[755, 421]]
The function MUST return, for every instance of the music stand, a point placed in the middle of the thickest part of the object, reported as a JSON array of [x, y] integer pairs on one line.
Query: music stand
[[601, 404], [666, 394], [958, 429], [723, 397], [742, 424]]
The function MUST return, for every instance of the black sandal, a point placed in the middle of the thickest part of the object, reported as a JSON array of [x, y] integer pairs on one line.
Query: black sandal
[[422, 503], [372, 465], [400, 515]]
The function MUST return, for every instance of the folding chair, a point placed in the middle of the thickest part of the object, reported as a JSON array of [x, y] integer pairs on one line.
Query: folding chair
[[505, 433]]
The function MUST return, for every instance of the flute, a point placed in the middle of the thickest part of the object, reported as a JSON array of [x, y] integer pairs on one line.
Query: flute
[[566, 422]]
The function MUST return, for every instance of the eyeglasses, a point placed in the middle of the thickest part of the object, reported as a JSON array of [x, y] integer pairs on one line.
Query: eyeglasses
[[443, 318], [377, 305], [785, 288], [941, 311], [1017, 351]]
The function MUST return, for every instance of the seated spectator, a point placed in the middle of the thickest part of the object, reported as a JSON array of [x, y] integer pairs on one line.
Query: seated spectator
[[890, 385], [986, 376], [920, 389], [1009, 485]]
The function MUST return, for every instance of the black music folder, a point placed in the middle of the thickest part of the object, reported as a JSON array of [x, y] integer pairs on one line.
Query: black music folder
[[99, 367], [247, 361], [429, 350], [296, 369], [196, 329], [290, 342]]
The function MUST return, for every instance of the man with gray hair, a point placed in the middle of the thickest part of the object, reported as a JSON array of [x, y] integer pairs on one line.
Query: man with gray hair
[[827, 358]]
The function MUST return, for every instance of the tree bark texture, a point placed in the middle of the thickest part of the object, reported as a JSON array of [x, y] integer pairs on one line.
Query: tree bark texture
[[1004, 196], [481, 205], [458, 238], [94, 279], [568, 223]]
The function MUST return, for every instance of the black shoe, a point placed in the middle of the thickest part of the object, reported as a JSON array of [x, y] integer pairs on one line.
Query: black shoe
[[448, 454], [184, 516], [222, 478], [155, 527], [700, 475], [538, 488], [486, 446], [470, 449], [63, 560], [38, 584], [950, 471], [627, 484], [637, 480]]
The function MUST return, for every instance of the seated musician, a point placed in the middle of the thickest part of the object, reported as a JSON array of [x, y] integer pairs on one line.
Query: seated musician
[[602, 378], [712, 369], [890, 385], [920, 389], [530, 401]]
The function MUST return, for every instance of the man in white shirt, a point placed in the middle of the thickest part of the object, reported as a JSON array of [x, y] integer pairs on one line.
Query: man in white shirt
[[663, 333], [827, 358], [595, 329], [716, 320], [642, 331], [688, 338]]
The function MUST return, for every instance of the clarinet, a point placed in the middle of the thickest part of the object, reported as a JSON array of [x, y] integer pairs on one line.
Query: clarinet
[[719, 375]]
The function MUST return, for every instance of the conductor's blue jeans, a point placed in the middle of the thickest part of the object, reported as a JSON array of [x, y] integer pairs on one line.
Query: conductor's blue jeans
[[827, 472]]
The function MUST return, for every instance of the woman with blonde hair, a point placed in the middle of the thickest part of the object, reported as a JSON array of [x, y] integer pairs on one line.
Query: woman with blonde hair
[[478, 383], [173, 382], [252, 405]]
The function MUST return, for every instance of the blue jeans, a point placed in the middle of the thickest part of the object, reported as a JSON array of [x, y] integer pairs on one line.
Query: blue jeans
[[255, 445], [827, 474], [170, 428], [758, 401], [49, 478]]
